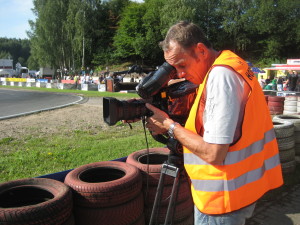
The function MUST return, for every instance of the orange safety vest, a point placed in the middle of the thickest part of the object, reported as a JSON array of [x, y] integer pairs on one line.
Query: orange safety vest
[[252, 165]]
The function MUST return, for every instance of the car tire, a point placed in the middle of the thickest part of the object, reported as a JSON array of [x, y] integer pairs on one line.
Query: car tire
[[35, 201], [104, 184]]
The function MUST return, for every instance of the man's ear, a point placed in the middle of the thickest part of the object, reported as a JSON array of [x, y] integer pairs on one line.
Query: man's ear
[[201, 50]]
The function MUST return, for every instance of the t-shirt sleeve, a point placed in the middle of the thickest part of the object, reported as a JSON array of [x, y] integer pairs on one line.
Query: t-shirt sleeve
[[224, 102]]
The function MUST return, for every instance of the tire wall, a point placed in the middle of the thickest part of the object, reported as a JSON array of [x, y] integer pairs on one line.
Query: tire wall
[[35, 201], [290, 105], [107, 193], [285, 135], [184, 205], [275, 104]]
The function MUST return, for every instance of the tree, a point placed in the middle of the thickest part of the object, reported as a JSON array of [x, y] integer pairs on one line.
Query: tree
[[130, 28]]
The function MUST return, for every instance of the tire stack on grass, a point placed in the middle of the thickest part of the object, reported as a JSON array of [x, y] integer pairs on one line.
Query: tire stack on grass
[[276, 104], [150, 166], [295, 119], [290, 105], [284, 131], [107, 193], [36, 201]]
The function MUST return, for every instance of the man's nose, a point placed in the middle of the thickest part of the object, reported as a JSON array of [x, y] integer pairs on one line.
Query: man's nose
[[181, 74]]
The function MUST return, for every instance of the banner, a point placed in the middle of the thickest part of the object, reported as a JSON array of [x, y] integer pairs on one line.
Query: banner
[[16, 79]]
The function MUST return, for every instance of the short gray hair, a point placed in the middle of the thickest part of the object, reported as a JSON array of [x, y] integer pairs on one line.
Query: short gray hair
[[186, 34]]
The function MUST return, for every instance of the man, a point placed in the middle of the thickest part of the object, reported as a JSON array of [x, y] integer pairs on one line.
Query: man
[[230, 149], [262, 82], [292, 80]]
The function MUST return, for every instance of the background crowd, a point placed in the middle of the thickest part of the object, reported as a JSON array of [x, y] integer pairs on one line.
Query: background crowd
[[290, 82]]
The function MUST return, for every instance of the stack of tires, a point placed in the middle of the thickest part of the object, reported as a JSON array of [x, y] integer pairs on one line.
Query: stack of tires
[[35, 201], [295, 119], [276, 105], [284, 131], [150, 166], [107, 193], [290, 105]]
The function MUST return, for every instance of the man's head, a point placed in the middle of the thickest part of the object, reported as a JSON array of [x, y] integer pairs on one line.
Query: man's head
[[188, 50]]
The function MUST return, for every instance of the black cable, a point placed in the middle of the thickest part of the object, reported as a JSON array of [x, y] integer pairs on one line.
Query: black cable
[[147, 145]]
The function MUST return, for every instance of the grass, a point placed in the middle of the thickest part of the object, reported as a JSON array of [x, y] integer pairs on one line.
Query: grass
[[31, 156]]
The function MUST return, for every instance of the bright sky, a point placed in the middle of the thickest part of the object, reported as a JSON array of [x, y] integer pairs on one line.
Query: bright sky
[[14, 16]]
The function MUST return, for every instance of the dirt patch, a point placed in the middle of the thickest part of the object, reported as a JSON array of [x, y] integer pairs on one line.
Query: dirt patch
[[84, 116]]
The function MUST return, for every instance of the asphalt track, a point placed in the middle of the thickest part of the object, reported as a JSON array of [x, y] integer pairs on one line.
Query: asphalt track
[[14, 103]]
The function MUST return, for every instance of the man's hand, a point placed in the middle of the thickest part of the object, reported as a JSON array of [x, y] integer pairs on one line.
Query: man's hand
[[158, 123]]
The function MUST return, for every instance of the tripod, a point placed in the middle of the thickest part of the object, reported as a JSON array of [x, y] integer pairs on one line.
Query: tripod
[[172, 167]]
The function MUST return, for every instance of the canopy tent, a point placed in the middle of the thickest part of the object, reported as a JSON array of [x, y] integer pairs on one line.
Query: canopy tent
[[284, 67], [257, 70]]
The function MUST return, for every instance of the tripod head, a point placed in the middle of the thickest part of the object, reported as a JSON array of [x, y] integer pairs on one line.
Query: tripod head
[[175, 157]]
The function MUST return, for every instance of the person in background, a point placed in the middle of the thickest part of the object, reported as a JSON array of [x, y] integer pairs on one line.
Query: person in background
[[268, 80], [292, 80], [230, 150], [280, 84], [262, 82], [298, 83], [274, 84]]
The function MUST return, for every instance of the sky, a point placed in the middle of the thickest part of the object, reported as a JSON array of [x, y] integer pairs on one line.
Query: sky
[[14, 16]]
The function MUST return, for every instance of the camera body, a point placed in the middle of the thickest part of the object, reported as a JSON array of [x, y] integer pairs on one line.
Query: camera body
[[176, 100]]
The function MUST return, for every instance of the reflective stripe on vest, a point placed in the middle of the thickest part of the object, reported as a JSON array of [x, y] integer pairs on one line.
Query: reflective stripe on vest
[[235, 156], [231, 185]]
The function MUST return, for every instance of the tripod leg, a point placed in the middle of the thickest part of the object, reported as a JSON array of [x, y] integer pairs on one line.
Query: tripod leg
[[171, 206], [156, 205]]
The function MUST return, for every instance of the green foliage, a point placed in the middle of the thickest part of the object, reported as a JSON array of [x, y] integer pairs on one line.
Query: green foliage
[[16, 49], [89, 33]]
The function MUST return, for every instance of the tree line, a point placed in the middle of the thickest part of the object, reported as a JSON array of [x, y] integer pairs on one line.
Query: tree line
[[75, 34]]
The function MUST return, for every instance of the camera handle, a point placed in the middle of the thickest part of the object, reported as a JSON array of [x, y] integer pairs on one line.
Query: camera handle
[[169, 168]]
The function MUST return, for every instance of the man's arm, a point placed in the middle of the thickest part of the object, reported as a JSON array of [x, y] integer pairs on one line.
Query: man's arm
[[211, 153]]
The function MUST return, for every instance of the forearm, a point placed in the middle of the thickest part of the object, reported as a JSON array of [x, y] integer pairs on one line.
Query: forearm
[[211, 153]]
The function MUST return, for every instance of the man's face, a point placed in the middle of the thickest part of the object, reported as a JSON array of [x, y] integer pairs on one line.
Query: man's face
[[187, 62]]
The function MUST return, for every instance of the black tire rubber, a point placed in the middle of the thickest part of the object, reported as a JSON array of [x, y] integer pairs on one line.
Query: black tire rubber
[[123, 214], [288, 167], [276, 98], [104, 184], [297, 137], [297, 149], [287, 155], [286, 143], [283, 129], [70, 221], [35, 201]]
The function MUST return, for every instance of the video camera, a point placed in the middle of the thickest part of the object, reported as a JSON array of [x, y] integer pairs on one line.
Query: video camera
[[176, 99]]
